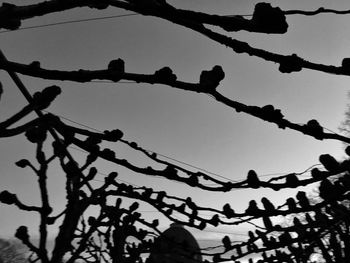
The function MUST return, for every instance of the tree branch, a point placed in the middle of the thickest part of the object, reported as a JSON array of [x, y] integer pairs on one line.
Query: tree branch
[[166, 77]]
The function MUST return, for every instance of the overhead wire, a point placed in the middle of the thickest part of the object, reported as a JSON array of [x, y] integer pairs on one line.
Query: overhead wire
[[84, 20], [77, 149], [330, 130], [112, 82], [148, 150], [290, 12], [69, 22], [196, 167], [333, 132], [182, 162], [299, 173]]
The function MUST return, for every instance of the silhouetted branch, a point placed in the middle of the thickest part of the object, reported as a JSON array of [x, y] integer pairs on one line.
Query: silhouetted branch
[[320, 10], [12, 199], [320, 225], [22, 128], [45, 205], [12, 15], [166, 77], [288, 63], [22, 234], [265, 19]]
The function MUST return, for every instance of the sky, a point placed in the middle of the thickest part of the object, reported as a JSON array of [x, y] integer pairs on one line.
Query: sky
[[192, 128]]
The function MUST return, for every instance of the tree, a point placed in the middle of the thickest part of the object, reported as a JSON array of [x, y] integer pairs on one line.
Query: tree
[[117, 232], [344, 127], [11, 251]]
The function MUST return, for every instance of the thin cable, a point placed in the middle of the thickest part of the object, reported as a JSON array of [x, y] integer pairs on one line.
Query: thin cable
[[324, 128], [70, 22], [193, 166], [77, 149], [167, 157], [112, 82], [250, 15], [330, 130], [290, 12], [124, 181], [281, 174], [70, 120], [184, 163], [84, 20]]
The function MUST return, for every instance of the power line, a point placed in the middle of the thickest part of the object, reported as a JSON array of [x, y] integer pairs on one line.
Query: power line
[[181, 162], [133, 14], [335, 133], [84, 20], [72, 121], [77, 149], [165, 156], [330, 130], [112, 82], [196, 167], [70, 22]]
